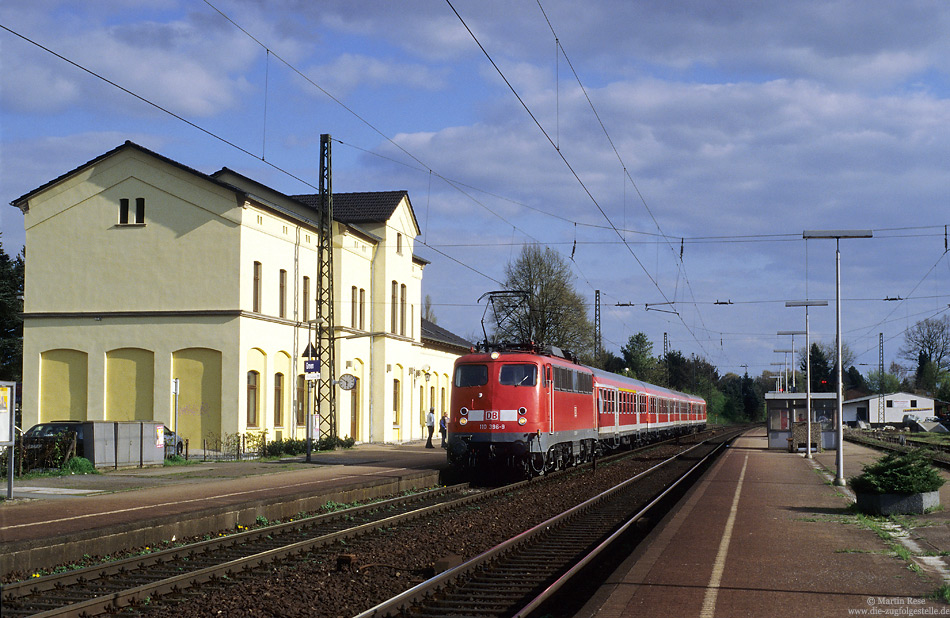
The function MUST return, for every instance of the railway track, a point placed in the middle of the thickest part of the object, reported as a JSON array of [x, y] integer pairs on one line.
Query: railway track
[[104, 589], [176, 574], [889, 441], [526, 574]]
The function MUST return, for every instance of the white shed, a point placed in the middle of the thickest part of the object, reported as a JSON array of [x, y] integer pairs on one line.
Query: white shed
[[895, 407]]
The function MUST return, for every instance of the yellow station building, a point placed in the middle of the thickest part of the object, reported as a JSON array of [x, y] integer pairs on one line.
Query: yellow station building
[[142, 271]]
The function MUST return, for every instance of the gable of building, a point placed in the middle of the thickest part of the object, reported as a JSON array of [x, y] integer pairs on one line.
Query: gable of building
[[123, 231]]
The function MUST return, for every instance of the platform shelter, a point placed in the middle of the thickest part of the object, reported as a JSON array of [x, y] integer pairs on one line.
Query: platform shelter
[[787, 419]]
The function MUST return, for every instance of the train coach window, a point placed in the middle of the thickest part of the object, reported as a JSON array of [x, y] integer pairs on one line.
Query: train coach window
[[518, 375], [471, 375]]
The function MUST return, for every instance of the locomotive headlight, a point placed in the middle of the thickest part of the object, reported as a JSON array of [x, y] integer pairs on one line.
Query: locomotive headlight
[[495, 355], [463, 411], [463, 421], [522, 411], [522, 420]]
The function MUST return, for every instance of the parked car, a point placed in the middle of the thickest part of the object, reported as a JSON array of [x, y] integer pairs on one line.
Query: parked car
[[45, 443], [174, 445]]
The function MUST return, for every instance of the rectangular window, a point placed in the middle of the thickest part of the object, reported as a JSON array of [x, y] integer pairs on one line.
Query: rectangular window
[[395, 308], [256, 307], [140, 210], [282, 298], [398, 243], [354, 302], [124, 211], [306, 299], [402, 310], [278, 400], [362, 309]]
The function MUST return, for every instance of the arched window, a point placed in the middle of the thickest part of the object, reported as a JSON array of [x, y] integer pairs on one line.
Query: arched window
[[253, 402], [302, 402], [396, 402], [278, 400]]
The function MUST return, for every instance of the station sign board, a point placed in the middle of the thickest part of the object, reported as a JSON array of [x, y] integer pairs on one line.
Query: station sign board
[[7, 408], [311, 369]]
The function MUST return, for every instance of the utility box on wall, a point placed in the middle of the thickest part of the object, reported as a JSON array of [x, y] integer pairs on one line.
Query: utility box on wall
[[124, 443]]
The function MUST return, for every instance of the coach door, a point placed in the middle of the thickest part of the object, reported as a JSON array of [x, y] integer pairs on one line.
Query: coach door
[[609, 410]]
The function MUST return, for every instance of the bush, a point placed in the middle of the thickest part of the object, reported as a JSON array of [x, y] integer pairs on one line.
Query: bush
[[898, 473], [291, 446], [79, 465], [328, 444]]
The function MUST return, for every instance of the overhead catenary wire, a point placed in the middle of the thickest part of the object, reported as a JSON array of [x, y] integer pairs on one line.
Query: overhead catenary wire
[[567, 163], [212, 134], [913, 232]]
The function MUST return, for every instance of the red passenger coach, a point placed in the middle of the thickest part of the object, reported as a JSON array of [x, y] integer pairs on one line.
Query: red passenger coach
[[524, 409]]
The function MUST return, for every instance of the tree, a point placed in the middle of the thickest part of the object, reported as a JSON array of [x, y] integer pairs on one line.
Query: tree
[[11, 324], [928, 341], [611, 362], [678, 370], [821, 370], [555, 313], [927, 374], [638, 357], [853, 380], [427, 312], [879, 383]]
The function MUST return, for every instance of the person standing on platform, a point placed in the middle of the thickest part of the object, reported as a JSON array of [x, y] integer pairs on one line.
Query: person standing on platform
[[443, 427], [430, 425]]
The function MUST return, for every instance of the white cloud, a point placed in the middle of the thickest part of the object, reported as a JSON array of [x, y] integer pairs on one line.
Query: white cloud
[[351, 71], [732, 118]]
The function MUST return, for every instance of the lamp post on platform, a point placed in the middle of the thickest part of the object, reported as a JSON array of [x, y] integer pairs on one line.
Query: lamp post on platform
[[806, 304], [792, 333], [785, 365], [837, 235]]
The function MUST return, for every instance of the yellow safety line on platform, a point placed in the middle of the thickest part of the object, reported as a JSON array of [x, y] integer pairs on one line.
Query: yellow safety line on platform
[[712, 590]]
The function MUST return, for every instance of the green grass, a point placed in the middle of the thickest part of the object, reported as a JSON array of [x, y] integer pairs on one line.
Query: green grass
[[941, 594]]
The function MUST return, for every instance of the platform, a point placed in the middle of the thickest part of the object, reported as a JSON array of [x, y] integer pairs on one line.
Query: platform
[[765, 533]]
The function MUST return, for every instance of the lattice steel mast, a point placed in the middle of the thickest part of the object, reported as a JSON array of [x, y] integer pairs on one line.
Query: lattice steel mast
[[325, 395]]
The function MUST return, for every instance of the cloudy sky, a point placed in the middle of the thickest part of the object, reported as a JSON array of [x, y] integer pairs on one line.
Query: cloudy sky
[[674, 152]]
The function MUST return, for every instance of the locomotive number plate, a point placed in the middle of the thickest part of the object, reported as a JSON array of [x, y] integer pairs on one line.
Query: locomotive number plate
[[493, 426]]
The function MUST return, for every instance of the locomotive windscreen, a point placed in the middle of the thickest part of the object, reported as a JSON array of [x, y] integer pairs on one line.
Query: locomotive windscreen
[[518, 375], [471, 375]]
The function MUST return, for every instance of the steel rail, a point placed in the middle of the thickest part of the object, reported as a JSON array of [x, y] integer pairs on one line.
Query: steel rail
[[609, 541], [420, 592], [58, 585], [101, 603]]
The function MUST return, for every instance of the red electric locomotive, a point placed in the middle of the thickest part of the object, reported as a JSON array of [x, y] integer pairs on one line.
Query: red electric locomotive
[[536, 411]]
